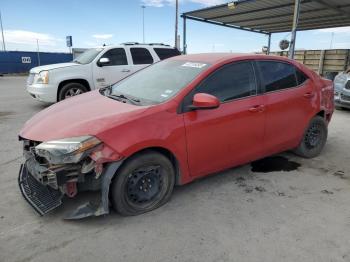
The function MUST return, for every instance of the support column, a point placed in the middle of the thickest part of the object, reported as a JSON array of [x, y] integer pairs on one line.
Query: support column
[[184, 45], [269, 44], [294, 30]]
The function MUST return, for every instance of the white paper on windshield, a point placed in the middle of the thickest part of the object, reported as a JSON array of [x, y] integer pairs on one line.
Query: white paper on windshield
[[164, 95], [195, 65], [168, 91]]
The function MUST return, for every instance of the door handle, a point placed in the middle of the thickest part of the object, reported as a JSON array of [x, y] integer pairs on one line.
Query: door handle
[[258, 108], [254, 109], [126, 70], [309, 95]]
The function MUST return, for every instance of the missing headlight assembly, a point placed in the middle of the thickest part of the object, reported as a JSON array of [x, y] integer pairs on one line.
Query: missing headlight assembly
[[59, 168]]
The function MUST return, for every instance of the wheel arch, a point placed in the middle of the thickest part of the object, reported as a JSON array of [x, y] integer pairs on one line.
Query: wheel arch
[[84, 82], [167, 153]]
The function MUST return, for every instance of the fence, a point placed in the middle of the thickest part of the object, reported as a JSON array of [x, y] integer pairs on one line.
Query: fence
[[322, 61], [21, 62]]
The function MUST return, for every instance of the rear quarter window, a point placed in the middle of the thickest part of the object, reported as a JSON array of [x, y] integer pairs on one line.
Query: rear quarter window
[[164, 53]]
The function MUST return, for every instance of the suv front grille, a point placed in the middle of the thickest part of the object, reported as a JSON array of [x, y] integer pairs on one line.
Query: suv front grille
[[30, 79]]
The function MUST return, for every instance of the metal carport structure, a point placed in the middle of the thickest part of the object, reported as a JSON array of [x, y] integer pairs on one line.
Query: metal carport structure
[[273, 16]]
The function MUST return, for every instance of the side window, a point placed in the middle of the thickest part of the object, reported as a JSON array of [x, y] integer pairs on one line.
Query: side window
[[141, 56], [116, 56], [277, 75], [164, 53], [301, 77], [230, 82]]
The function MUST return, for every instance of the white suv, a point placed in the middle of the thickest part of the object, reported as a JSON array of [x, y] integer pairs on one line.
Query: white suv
[[95, 68]]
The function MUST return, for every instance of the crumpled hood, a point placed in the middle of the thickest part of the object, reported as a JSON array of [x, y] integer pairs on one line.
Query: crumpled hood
[[86, 114], [52, 66]]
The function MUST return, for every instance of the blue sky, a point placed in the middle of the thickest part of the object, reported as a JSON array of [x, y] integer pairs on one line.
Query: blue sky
[[92, 23]]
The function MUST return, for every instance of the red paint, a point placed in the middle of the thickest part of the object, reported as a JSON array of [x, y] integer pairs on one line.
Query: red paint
[[202, 141]]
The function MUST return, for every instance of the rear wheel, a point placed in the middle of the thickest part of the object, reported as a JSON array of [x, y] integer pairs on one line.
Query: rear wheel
[[145, 182], [71, 89], [314, 138]]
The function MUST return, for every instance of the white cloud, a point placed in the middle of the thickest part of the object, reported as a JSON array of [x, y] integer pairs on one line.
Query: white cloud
[[30, 38], [161, 3], [343, 30], [102, 36]]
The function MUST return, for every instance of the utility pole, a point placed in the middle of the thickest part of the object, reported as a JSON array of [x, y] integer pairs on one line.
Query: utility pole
[[331, 45], [2, 32], [176, 22], [143, 22], [37, 50]]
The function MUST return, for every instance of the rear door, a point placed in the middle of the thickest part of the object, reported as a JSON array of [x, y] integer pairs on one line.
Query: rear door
[[117, 69], [141, 57], [289, 100], [231, 134]]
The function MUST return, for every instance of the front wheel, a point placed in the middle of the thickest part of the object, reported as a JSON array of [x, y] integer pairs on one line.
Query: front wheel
[[71, 89], [145, 182], [314, 138]]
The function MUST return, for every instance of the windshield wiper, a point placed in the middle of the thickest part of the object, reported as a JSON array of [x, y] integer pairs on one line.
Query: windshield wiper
[[134, 101], [76, 61]]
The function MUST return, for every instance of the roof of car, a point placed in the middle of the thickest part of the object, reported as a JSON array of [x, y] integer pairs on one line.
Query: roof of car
[[214, 58], [135, 44]]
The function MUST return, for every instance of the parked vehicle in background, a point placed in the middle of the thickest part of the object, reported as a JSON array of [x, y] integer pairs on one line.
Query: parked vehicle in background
[[171, 123], [342, 90], [95, 68]]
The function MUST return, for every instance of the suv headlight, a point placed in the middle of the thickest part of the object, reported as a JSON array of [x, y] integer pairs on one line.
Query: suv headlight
[[41, 77], [67, 150]]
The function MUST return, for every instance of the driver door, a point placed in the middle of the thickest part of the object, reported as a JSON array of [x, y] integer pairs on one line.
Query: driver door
[[117, 68], [231, 134]]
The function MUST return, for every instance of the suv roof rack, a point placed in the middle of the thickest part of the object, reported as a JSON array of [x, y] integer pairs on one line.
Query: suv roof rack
[[137, 43]]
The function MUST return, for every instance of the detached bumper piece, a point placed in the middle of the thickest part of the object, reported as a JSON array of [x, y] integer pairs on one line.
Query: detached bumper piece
[[42, 198]]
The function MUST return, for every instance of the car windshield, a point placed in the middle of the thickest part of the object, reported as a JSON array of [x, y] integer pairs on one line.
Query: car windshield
[[88, 56], [159, 82]]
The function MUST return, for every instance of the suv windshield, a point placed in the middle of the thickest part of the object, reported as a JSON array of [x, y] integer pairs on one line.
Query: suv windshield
[[159, 82], [88, 56]]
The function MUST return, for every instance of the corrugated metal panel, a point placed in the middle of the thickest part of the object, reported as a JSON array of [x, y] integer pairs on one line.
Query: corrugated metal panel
[[22, 62], [272, 16]]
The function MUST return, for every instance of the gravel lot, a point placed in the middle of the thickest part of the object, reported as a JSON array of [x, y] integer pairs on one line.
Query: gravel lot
[[237, 215]]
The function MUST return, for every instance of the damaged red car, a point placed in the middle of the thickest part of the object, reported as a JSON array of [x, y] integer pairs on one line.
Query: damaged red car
[[168, 124]]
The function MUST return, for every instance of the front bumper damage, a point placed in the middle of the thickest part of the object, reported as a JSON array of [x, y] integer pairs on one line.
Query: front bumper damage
[[44, 187]]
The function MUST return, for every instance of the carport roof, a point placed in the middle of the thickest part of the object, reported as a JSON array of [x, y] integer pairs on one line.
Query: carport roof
[[274, 16]]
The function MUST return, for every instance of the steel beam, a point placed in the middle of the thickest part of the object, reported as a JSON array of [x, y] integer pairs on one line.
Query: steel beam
[[258, 10], [184, 45], [294, 30], [225, 24]]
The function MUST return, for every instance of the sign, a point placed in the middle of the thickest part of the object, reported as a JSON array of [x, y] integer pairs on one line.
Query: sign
[[69, 41], [26, 60]]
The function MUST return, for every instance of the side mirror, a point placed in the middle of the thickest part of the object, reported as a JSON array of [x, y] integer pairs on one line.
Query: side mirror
[[103, 61], [204, 101]]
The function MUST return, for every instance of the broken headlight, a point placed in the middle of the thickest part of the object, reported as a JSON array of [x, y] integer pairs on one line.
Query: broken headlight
[[67, 150]]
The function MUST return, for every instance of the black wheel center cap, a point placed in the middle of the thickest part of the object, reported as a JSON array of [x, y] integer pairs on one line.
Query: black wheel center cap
[[144, 184]]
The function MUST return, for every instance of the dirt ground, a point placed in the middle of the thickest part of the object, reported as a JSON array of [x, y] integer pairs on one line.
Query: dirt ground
[[237, 215]]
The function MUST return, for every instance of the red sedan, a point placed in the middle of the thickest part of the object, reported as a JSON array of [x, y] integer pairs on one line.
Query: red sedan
[[170, 123]]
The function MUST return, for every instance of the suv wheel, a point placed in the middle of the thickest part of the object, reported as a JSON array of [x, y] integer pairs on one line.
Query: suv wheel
[[71, 89], [145, 182], [314, 138]]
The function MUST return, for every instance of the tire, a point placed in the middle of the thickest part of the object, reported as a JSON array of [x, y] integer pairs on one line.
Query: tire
[[144, 183], [314, 138], [71, 89]]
